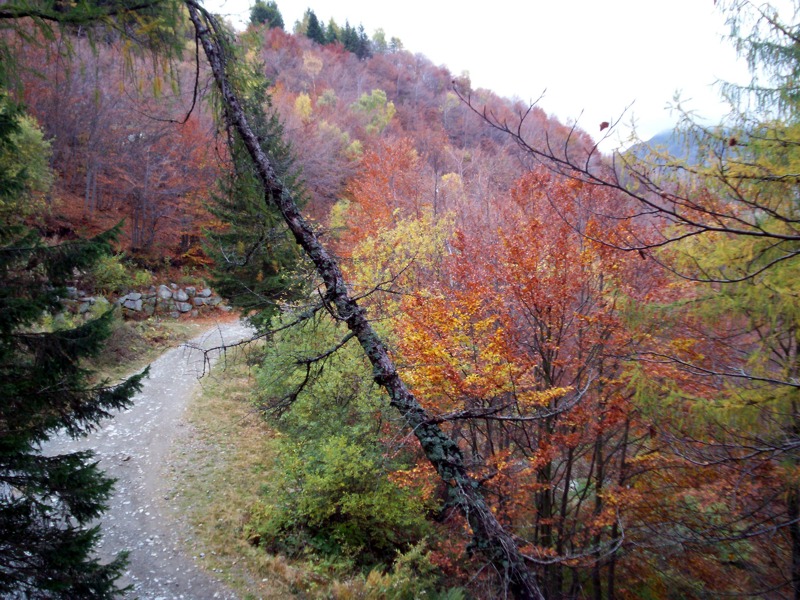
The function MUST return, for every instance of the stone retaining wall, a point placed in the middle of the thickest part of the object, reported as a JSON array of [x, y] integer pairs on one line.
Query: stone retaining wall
[[169, 300]]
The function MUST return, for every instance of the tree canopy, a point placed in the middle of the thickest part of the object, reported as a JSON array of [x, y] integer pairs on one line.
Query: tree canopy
[[550, 373]]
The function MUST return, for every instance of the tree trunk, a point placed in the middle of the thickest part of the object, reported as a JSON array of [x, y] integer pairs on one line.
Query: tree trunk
[[793, 512], [443, 453]]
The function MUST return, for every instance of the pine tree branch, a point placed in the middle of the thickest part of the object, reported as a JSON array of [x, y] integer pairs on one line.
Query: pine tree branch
[[74, 16]]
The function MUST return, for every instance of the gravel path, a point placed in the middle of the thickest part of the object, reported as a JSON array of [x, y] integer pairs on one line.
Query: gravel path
[[134, 448]]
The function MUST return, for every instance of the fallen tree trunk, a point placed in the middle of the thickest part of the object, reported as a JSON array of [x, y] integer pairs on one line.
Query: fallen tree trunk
[[444, 454]]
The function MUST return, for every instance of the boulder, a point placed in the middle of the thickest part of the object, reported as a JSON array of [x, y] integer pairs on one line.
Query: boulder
[[205, 293], [198, 301], [191, 291], [183, 307], [181, 296], [164, 292], [135, 305]]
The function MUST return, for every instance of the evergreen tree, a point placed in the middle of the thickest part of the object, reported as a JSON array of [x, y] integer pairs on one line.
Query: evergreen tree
[[356, 41], [349, 37], [332, 32], [314, 30], [47, 502], [363, 46], [257, 261], [266, 12]]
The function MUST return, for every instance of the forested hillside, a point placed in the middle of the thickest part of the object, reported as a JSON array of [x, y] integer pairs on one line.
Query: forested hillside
[[117, 155], [496, 361]]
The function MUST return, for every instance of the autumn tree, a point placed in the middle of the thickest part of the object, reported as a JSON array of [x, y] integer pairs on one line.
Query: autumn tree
[[377, 109], [389, 179], [532, 386], [112, 147], [726, 223], [325, 152]]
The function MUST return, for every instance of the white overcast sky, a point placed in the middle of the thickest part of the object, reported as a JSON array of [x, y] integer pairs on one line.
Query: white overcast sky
[[594, 58]]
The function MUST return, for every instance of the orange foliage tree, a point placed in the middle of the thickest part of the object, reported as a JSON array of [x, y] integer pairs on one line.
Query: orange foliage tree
[[389, 183], [520, 349]]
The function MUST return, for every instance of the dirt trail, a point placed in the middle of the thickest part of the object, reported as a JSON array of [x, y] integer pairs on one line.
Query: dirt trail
[[133, 447]]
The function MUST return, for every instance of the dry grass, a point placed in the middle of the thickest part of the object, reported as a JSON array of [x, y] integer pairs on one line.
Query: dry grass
[[224, 460]]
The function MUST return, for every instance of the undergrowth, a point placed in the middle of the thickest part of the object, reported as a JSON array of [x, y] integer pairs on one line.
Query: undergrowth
[[224, 465]]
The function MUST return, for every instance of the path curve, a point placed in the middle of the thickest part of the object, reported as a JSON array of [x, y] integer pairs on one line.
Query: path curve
[[133, 448]]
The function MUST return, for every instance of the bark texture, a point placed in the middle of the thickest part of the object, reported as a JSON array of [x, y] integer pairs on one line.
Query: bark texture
[[490, 538]]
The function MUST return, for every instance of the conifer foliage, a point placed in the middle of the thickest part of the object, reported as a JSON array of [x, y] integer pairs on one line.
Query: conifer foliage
[[266, 12], [256, 260], [47, 503]]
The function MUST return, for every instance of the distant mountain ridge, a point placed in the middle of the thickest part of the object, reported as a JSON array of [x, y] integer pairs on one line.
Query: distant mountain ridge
[[672, 142], [679, 146]]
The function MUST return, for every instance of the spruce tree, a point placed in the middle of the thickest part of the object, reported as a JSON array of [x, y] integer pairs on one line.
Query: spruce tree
[[314, 30], [363, 46], [257, 263], [47, 503], [349, 38], [266, 12]]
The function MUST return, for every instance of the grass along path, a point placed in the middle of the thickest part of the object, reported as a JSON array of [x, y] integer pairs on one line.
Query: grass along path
[[220, 463]]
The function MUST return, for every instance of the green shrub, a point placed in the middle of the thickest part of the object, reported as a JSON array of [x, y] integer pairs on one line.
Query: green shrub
[[412, 576], [110, 275], [142, 278], [334, 496], [333, 492]]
